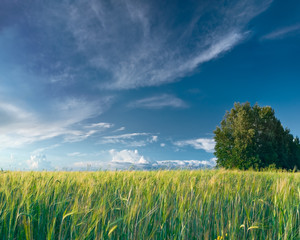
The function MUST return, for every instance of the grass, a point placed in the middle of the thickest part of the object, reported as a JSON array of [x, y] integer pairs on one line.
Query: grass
[[207, 204]]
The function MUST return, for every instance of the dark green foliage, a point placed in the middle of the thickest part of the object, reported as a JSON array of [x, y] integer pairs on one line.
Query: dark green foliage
[[252, 137]]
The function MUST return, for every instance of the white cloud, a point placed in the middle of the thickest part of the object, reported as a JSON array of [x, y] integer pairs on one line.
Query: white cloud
[[123, 138], [282, 32], [141, 143], [154, 139], [123, 45], [222, 45], [213, 161], [158, 102], [127, 156], [39, 162], [136, 44], [126, 136], [119, 129], [205, 144], [131, 158], [191, 164], [76, 154], [130, 139], [78, 135], [74, 110], [162, 144], [11, 114], [101, 125], [20, 125]]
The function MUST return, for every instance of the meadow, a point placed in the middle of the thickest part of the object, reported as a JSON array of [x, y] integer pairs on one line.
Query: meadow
[[182, 204]]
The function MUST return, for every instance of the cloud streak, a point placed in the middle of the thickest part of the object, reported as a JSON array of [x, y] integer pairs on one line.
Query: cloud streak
[[158, 102], [205, 144], [282, 32], [20, 126], [130, 139]]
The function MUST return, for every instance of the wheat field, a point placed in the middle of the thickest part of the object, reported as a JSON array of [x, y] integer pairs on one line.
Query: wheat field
[[179, 204]]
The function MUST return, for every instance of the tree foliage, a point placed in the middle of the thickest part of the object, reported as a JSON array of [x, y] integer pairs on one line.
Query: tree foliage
[[252, 137]]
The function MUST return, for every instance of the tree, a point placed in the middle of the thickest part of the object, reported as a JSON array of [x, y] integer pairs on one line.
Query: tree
[[252, 137]]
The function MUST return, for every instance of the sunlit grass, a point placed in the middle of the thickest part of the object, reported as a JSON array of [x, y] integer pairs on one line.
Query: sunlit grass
[[208, 204]]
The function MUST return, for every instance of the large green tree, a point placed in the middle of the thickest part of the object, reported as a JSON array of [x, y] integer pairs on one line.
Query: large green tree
[[252, 137]]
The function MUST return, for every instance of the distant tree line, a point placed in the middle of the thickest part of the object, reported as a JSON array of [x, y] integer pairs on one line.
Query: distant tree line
[[252, 137]]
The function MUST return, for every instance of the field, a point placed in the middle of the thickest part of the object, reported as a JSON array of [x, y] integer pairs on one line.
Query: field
[[202, 204]]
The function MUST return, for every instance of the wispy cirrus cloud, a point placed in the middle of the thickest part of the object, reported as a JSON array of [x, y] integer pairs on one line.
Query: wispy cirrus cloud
[[119, 129], [20, 125], [131, 44], [158, 102], [100, 125], [130, 139], [125, 136], [153, 51], [282, 32], [205, 144]]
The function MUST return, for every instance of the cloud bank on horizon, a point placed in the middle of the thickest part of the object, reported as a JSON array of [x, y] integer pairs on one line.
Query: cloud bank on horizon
[[132, 159]]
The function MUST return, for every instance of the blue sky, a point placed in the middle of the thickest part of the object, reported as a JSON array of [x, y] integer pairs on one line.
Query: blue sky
[[111, 84]]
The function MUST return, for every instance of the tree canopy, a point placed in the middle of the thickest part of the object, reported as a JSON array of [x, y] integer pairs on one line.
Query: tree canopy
[[252, 137]]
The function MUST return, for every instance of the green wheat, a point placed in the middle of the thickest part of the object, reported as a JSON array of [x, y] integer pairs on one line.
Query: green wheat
[[202, 204]]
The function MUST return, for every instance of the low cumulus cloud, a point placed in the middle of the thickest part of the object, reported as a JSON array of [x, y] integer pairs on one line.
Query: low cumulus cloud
[[133, 159], [39, 162], [205, 144], [185, 164], [126, 158]]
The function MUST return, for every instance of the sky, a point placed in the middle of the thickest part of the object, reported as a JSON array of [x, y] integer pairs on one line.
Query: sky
[[114, 84]]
